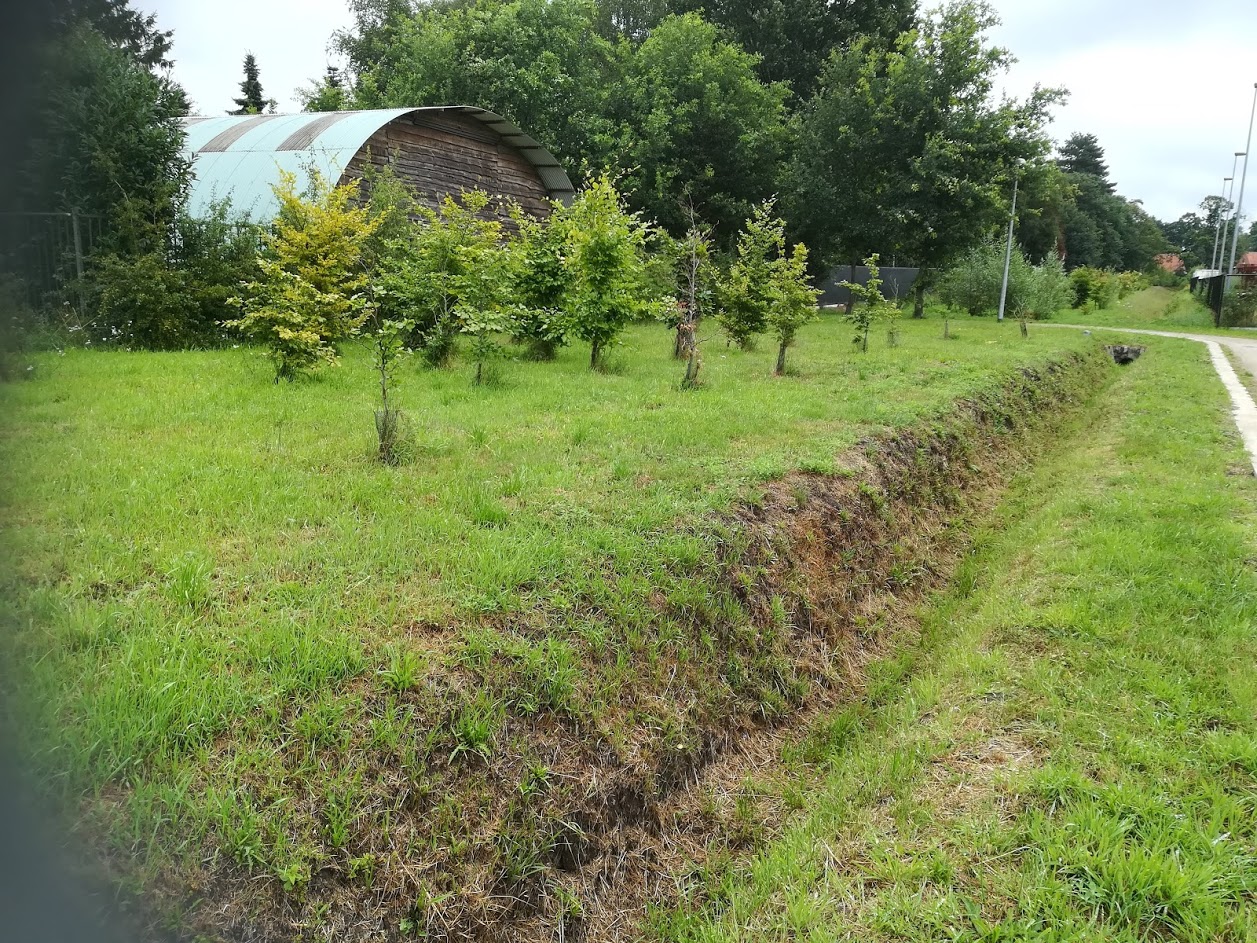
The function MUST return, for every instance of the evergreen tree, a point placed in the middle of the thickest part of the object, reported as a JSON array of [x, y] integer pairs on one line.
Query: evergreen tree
[[252, 100], [1082, 154]]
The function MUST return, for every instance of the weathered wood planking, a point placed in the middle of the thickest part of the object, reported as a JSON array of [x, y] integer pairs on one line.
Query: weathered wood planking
[[444, 154]]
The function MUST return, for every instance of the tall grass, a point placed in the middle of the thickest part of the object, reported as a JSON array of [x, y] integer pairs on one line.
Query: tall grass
[[1070, 753]]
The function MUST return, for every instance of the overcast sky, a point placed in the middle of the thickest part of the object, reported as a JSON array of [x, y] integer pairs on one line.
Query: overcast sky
[[1165, 85]]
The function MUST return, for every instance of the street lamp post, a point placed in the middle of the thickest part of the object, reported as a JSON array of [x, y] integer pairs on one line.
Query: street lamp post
[[1217, 235], [1008, 252], [1239, 207]]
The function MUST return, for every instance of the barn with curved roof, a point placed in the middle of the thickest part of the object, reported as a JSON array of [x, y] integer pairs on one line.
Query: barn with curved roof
[[437, 151]]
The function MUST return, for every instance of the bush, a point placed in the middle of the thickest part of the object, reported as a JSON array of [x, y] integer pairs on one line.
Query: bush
[[1094, 288], [1239, 308], [311, 291], [179, 297], [973, 283]]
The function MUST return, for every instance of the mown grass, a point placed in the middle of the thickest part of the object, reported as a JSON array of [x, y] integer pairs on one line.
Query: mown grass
[[1071, 752], [227, 626]]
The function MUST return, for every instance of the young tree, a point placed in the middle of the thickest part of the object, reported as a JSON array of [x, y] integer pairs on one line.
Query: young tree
[[868, 305], [696, 279], [252, 100], [311, 294], [604, 265], [436, 273], [881, 165], [747, 294], [540, 281], [794, 299]]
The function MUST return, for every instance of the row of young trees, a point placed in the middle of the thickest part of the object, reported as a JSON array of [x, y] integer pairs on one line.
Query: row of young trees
[[416, 278]]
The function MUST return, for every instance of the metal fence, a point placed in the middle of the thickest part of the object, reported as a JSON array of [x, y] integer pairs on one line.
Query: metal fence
[[46, 253], [897, 282]]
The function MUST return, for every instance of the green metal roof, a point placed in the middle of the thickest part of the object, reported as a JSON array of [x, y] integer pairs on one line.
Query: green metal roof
[[240, 156]]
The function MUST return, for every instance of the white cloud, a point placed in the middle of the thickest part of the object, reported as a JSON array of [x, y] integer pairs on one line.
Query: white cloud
[[1167, 89]]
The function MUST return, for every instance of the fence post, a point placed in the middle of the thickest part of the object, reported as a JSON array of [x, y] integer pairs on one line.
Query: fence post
[[78, 262]]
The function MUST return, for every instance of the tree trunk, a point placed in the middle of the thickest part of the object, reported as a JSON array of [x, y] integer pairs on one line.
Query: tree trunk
[[691, 369], [946, 327], [781, 359], [918, 304], [864, 341], [595, 350]]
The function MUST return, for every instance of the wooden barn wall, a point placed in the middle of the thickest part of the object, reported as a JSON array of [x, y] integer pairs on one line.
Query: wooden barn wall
[[438, 155]]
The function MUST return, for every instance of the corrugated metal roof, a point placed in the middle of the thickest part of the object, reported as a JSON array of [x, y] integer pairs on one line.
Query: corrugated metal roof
[[241, 156]]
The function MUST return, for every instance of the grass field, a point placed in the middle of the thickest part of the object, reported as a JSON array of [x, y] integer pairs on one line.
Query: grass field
[[1156, 309], [1071, 751], [235, 635]]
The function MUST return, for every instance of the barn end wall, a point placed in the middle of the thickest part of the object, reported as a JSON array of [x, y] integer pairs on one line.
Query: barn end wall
[[440, 154]]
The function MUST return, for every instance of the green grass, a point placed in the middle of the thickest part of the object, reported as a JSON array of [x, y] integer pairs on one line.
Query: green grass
[[1071, 751], [1155, 309], [229, 628]]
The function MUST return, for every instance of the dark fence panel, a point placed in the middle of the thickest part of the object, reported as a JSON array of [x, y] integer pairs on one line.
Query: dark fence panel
[[46, 252], [897, 282]]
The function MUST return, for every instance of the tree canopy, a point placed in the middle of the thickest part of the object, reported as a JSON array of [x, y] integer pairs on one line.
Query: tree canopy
[[904, 151]]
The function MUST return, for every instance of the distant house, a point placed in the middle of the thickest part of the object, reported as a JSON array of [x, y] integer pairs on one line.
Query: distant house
[[1171, 263], [1246, 265], [437, 151]]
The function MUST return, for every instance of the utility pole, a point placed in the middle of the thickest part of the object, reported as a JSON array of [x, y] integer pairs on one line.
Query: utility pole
[[1008, 252], [1239, 207], [1217, 235]]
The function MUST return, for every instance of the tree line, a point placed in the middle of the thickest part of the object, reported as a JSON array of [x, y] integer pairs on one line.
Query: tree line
[[873, 124]]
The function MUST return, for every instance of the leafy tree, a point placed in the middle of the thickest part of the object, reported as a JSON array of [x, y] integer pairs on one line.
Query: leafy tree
[[539, 63], [629, 19], [882, 165], [327, 94], [604, 264], [868, 304], [794, 299], [252, 100], [747, 295], [697, 127], [311, 294], [793, 39]]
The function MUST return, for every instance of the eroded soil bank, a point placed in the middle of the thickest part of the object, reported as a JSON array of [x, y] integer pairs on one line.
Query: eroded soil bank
[[552, 775]]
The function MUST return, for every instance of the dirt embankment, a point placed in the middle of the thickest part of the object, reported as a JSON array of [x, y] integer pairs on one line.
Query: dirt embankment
[[620, 728]]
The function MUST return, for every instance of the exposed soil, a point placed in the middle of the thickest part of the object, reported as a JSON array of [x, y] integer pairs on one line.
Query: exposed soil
[[812, 580]]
